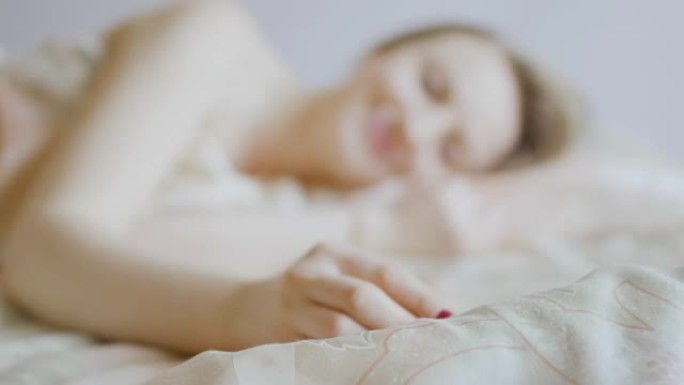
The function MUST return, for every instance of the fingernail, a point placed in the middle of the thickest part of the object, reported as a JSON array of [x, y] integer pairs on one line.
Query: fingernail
[[444, 314]]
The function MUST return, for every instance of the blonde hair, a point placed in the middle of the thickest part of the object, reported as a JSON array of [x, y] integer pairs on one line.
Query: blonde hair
[[552, 113]]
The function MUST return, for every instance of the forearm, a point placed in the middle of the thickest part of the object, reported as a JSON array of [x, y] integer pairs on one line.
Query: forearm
[[253, 244], [84, 281]]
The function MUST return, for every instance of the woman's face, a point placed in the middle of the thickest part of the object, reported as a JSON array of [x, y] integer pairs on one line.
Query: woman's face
[[443, 105]]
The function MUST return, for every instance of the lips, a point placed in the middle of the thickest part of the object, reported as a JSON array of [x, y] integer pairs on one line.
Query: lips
[[379, 137]]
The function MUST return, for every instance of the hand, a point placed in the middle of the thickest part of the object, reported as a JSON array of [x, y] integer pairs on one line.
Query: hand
[[334, 291], [405, 217]]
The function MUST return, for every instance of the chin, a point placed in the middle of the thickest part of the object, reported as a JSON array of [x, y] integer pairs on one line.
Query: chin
[[362, 170], [359, 182]]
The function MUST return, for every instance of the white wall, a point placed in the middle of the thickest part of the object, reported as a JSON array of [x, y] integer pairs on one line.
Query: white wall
[[624, 54]]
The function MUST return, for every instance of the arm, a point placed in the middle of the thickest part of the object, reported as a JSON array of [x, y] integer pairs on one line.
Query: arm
[[66, 262]]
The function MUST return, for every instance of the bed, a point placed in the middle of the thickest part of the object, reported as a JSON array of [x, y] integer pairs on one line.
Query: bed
[[616, 325], [603, 303]]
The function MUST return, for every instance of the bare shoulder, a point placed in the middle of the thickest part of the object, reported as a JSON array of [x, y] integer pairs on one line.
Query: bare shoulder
[[203, 12], [204, 8], [191, 18]]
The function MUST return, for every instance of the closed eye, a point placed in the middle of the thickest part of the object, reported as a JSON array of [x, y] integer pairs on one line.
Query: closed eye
[[435, 84]]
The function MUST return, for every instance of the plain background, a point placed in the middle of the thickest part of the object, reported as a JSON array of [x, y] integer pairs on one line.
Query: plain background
[[624, 55]]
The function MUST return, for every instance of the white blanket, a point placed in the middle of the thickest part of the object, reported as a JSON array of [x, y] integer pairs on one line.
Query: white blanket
[[616, 326]]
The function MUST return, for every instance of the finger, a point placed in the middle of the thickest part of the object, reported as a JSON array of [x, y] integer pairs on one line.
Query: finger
[[300, 337], [363, 301], [319, 259], [319, 322], [401, 285]]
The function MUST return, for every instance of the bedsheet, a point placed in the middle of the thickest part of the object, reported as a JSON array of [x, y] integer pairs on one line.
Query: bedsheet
[[618, 325], [32, 353]]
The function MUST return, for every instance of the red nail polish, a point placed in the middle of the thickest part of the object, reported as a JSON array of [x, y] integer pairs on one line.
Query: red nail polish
[[444, 314]]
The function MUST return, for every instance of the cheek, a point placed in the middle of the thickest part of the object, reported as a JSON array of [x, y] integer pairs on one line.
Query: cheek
[[493, 146], [353, 153], [494, 136]]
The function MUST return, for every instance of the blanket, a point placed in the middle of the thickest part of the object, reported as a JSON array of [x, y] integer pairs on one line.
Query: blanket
[[615, 326]]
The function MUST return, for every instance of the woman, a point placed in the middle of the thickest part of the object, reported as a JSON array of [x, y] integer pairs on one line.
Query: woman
[[428, 104]]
